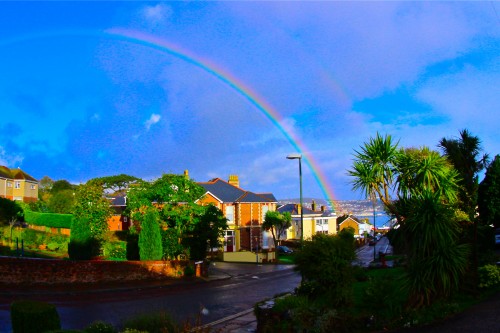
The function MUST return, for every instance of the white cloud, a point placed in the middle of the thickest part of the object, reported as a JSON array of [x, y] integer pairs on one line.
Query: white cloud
[[155, 118], [9, 160], [157, 14]]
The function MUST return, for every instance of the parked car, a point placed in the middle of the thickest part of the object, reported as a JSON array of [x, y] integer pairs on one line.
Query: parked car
[[282, 249]]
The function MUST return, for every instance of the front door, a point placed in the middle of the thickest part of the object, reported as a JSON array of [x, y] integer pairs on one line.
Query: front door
[[229, 241]]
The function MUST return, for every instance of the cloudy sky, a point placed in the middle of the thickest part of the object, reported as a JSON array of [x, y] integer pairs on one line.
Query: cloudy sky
[[90, 89]]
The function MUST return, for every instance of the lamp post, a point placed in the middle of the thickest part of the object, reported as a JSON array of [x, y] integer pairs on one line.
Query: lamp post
[[374, 202], [299, 157]]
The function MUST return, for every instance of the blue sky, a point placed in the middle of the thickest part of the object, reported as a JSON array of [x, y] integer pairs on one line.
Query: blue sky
[[77, 104]]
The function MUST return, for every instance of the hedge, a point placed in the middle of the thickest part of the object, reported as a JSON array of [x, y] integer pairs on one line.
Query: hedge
[[51, 220], [33, 317]]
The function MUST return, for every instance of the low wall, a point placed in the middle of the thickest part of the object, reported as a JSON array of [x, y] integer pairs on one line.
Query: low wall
[[245, 256], [29, 271]]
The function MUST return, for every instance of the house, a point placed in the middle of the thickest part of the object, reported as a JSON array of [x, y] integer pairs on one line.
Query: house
[[350, 221], [245, 212], [315, 221], [119, 220], [15, 184]]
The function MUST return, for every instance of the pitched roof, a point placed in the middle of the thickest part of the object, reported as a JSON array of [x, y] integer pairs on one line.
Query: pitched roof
[[20, 174], [5, 172], [293, 210], [15, 174], [343, 218], [226, 192]]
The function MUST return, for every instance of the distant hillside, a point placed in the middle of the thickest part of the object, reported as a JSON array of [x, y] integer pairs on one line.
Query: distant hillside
[[356, 207]]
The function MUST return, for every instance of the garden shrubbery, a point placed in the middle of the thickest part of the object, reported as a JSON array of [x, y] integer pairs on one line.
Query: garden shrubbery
[[34, 317]]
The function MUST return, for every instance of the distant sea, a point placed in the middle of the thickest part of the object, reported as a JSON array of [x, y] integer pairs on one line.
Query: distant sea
[[380, 219]]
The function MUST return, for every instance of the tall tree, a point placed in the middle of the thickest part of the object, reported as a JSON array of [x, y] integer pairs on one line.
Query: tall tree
[[61, 185], [62, 202], [436, 261], [465, 155], [174, 197], [373, 170], [489, 195], [118, 183], [278, 224], [206, 233], [45, 186], [92, 209]]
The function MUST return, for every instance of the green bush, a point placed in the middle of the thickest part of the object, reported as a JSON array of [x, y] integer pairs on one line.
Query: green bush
[[153, 323], [33, 317], [82, 245], [133, 246], [53, 246], [32, 238], [150, 247], [325, 265], [189, 270], [51, 220], [100, 327], [489, 276], [115, 250]]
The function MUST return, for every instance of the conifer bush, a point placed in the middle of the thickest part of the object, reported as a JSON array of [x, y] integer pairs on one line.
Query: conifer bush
[[150, 243], [34, 317]]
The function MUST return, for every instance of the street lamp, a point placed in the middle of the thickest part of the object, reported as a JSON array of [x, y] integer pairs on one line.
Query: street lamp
[[299, 157]]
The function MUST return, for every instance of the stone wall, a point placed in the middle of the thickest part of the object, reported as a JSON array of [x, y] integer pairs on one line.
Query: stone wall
[[29, 271]]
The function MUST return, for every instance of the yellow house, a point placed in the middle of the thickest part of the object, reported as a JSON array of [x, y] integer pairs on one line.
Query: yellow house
[[315, 221], [15, 184], [350, 221]]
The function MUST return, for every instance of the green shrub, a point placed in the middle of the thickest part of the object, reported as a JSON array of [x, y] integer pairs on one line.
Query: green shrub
[[489, 276], [150, 246], [153, 323], [34, 317], [115, 250], [100, 327], [53, 246], [189, 270], [133, 246], [82, 245], [325, 264]]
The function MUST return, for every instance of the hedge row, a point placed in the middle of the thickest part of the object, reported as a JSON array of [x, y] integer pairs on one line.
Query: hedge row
[[48, 219]]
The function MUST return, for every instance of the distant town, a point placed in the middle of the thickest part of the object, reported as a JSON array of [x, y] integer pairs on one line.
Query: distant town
[[354, 207]]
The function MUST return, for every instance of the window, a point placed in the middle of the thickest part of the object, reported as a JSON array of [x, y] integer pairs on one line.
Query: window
[[17, 184], [33, 186], [265, 209], [9, 184], [230, 214], [322, 226]]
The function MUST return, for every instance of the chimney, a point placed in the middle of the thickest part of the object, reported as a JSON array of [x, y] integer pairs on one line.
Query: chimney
[[233, 180], [313, 206], [323, 209], [299, 208], [186, 174]]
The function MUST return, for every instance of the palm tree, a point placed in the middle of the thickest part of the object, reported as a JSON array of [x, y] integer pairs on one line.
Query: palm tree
[[424, 169], [436, 260], [464, 155], [373, 169]]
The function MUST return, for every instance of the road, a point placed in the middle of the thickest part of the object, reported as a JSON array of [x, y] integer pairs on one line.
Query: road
[[221, 297], [365, 253]]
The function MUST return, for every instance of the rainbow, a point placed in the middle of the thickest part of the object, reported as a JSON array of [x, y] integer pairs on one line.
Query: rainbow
[[224, 76]]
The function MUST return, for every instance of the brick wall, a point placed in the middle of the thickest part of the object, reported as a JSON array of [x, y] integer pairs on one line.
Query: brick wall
[[28, 271]]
